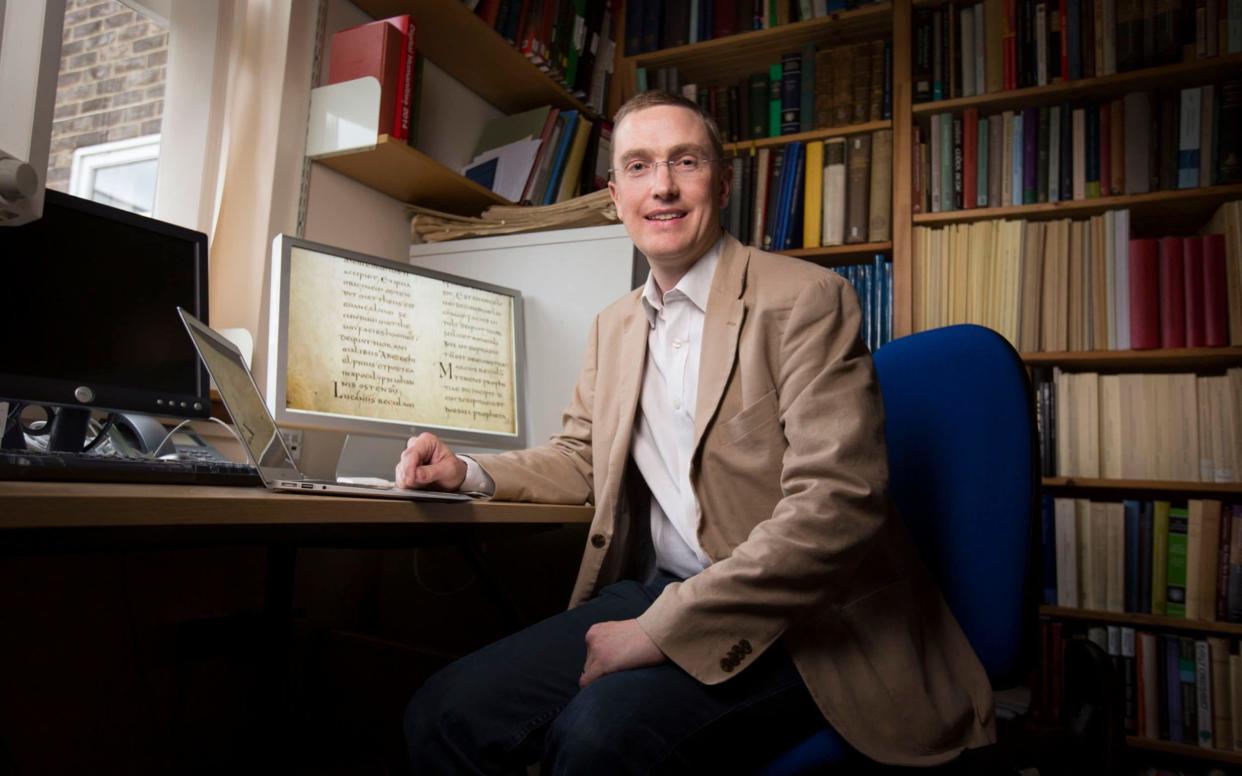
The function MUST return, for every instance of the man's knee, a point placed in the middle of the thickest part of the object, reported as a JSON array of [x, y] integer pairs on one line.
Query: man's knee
[[593, 735]]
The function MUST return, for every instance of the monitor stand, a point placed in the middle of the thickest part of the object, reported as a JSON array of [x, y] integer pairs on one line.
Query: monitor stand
[[68, 431], [369, 456]]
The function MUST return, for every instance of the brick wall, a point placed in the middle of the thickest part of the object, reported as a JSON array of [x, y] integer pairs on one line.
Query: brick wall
[[111, 83]]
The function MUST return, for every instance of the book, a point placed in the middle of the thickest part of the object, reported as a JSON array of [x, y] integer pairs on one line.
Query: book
[[1145, 331], [1175, 592], [858, 187], [813, 209], [1172, 293], [880, 206], [378, 50], [834, 191]]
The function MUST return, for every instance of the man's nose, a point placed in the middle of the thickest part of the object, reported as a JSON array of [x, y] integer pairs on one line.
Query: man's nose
[[663, 184]]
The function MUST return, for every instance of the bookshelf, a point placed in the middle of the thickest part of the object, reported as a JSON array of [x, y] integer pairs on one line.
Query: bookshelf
[[458, 42], [407, 174], [1182, 74], [1181, 212]]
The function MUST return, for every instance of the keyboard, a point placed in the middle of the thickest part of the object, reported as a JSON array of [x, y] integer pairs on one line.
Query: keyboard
[[84, 467]]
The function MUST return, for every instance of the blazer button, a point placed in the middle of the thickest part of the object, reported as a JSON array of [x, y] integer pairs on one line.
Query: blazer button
[[745, 645], [726, 666], [598, 541]]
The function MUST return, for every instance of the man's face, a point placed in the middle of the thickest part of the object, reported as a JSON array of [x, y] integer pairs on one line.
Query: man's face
[[673, 217]]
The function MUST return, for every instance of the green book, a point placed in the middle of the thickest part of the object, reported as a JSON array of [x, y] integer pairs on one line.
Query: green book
[[775, 73], [1179, 521], [1159, 554]]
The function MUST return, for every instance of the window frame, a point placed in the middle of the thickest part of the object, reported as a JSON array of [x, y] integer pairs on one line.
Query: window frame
[[87, 160]]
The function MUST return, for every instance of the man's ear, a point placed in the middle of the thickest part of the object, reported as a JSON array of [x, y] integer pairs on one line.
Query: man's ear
[[726, 184]]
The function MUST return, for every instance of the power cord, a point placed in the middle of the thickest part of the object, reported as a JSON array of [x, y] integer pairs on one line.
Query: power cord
[[179, 426]]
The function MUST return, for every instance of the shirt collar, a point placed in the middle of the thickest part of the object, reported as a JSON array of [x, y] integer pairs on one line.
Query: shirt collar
[[695, 285]]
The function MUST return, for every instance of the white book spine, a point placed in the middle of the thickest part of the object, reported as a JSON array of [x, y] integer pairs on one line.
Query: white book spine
[[1121, 258], [834, 204], [1066, 533]]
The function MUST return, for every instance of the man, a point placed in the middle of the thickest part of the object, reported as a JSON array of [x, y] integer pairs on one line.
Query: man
[[745, 578]]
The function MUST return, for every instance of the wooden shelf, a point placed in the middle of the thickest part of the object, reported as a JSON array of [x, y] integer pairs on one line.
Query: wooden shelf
[[1199, 359], [840, 254], [1166, 76], [1185, 750], [1142, 620], [815, 134], [409, 175], [1164, 486], [721, 60], [1152, 213], [458, 42]]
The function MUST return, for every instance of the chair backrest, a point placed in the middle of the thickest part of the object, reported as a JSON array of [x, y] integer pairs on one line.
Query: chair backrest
[[964, 475]]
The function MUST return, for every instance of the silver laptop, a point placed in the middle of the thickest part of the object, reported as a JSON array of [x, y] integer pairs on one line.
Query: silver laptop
[[259, 434]]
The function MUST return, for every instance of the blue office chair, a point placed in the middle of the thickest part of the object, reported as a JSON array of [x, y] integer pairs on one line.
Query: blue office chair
[[963, 460]]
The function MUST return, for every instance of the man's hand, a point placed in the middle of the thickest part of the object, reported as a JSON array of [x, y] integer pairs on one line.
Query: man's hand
[[617, 646], [427, 462]]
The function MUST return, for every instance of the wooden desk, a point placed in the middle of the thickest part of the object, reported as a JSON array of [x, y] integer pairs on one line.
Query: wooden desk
[[37, 516], [47, 518]]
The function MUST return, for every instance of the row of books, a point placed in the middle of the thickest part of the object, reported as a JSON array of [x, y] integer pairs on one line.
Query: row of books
[[1132, 145], [543, 156], [995, 45], [1179, 427], [1144, 557], [1176, 688], [811, 194], [1074, 285], [571, 40], [806, 90], [651, 25], [873, 283]]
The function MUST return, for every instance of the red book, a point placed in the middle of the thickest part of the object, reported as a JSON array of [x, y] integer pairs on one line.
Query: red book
[[1192, 266], [1011, 44], [724, 18], [1144, 295], [1215, 292], [487, 11], [970, 157], [405, 79], [373, 49], [1172, 294], [1106, 148]]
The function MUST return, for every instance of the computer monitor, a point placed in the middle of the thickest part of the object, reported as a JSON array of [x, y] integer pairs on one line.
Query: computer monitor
[[88, 315], [376, 347]]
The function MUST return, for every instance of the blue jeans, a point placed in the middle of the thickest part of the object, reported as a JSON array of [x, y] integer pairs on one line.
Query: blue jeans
[[517, 702]]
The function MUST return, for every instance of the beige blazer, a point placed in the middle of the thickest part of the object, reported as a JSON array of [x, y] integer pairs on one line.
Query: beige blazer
[[790, 471]]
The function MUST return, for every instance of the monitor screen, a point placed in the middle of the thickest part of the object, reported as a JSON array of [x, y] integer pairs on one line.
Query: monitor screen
[[366, 345], [89, 311]]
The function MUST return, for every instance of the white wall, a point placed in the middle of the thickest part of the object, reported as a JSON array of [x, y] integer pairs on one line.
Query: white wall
[[565, 277]]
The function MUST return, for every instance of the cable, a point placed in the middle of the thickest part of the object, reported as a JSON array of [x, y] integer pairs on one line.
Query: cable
[[168, 436], [102, 433]]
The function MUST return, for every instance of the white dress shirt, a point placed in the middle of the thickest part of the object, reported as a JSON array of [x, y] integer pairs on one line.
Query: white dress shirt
[[664, 427]]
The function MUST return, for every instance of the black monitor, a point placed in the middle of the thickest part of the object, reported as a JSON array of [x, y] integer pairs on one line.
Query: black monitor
[[88, 315]]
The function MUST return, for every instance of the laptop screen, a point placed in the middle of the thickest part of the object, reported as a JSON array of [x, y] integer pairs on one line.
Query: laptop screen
[[250, 416]]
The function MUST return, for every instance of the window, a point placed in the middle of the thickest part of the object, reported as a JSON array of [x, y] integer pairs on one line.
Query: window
[[109, 104], [120, 174]]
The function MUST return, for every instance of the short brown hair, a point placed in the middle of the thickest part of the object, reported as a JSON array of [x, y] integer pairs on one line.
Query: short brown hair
[[656, 97]]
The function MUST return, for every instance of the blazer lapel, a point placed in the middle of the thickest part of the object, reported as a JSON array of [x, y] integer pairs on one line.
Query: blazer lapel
[[721, 327], [632, 357]]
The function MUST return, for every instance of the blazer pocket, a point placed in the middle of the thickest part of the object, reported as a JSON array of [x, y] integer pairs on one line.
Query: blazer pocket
[[762, 412]]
